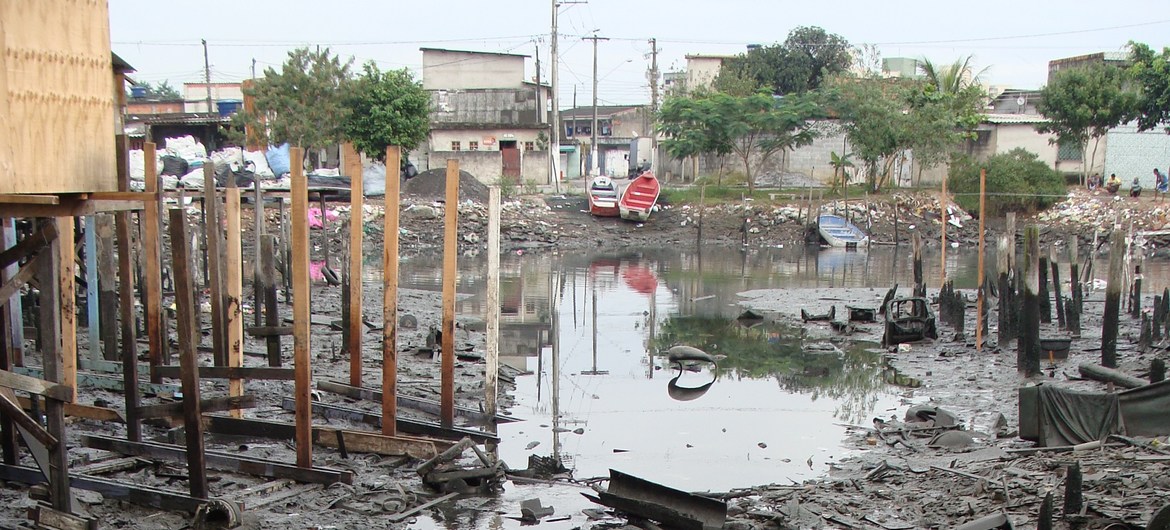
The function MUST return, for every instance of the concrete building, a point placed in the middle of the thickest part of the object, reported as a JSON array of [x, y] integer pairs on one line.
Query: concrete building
[[486, 115], [901, 67], [1114, 58], [227, 97], [703, 69], [617, 127]]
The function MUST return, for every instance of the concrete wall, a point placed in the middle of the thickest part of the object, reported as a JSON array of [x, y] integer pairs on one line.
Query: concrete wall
[[195, 95], [1136, 154], [488, 106], [453, 70], [702, 71], [488, 139]]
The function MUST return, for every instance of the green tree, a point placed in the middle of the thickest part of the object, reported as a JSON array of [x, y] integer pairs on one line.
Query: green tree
[[953, 78], [1017, 181], [386, 108], [302, 104], [801, 63], [752, 127], [1151, 73], [1083, 103]]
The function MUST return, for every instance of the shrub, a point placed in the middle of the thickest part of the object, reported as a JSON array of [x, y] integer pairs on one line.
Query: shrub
[[1017, 181]]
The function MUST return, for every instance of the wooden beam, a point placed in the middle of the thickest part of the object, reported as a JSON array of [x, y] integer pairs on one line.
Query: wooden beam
[[55, 462], [124, 196], [269, 331], [450, 262], [152, 251], [215, 276], [19, 198], [390, 293], [13, 411], [107, 286], [111, 489], [33, 385], [232, 274], [220, 461], [368, 442], [70, 207], [230, 372], [353, 163], [492, 368], [46, 234], [325, 436], [77, 410], [105, 382], [185, 303], [174, 410], [128, 316], [404, 425], [13, 285], [66, 290], [45, 517], [428, 406], [301, 317]]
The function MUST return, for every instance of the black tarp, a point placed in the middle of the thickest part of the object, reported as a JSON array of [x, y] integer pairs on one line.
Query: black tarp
[[1053, 416]]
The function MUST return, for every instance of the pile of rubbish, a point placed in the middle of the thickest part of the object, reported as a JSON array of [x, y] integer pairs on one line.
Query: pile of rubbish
[[1097, 211]]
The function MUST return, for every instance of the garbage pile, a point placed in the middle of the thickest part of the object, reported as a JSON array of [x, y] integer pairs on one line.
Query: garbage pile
[[1085, 211]]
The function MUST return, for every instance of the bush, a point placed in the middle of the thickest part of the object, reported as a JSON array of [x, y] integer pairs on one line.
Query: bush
[[1017, 181]]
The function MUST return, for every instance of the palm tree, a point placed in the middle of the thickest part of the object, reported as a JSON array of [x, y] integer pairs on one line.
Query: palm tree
[[952, 78]]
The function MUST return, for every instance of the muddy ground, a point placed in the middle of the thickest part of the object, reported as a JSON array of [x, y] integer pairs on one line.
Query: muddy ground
[[905, 492]]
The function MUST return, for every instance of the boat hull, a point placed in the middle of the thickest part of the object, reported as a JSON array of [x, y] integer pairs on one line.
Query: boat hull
[[603, 197], [639, 197], [836, 231]]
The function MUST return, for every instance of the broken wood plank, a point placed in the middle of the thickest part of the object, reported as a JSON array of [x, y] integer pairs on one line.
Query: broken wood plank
[[368, 442], [172, 410], [269, 331], [46, 517], [411, 512], [105, 382], [233, 372], [78, 410], [220, 461], [323, 436], [34, 385], [13, 285], [404, 425], [13, 411], [29, 245], [109, 466], [295, 491], [111, 489], [1109, 375], [428, 406]]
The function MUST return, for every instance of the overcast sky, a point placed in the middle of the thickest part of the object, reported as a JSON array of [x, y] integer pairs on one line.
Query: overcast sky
[[1013, 40]]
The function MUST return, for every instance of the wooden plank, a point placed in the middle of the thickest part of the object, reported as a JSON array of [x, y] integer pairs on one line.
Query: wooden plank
[[77, 410], [33, 385], [11, 336], [353, 163], [152, 252], [271, 308], [92, 294], [11, 288], [46, 517], [107, 285], [105, 382], [323, 436], [450, 262], [220, 461], [404, 425], [111, 465], [128, 316], [390, 293], [185, 304], [269, 331], [66, 290], [12, 410], [368, 442], [428, 406], [230, 372], [215, 276], [174, 410], [111, 489], [44, 235], [492, 368], [13, 198], [300, 274], [232, 274], [53, 349]]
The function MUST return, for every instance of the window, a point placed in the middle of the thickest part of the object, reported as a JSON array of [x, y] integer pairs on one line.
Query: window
[[455, 146], [529, 146], [473, 145], [569, 130], [1069, 152]]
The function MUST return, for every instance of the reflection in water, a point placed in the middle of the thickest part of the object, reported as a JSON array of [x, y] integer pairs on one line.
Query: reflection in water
[[682, 393]]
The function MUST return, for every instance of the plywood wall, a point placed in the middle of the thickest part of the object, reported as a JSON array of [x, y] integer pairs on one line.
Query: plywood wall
[[56, 97]]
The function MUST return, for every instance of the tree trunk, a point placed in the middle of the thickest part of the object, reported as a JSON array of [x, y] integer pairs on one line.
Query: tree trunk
[[747, 169]]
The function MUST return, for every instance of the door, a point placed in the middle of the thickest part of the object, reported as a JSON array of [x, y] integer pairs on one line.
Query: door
[[511, 155]]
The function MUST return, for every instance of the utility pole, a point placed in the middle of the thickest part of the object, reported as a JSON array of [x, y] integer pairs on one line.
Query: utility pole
[[207, 77], [539, 102], [653, 105], [593, 165], [554, 148], [253, 68]]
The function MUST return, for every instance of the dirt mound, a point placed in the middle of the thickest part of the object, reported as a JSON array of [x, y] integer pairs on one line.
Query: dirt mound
[[432, 184]]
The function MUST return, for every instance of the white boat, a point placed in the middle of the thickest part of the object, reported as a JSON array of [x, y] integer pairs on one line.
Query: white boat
[[836, 231]]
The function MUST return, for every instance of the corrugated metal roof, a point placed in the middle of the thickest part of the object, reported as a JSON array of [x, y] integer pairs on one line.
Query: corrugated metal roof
[[1004, 119]]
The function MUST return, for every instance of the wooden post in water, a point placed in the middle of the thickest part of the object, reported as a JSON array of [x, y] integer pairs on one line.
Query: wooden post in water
[[1028, 361], [1135, 304], [980, 302], [156, 329], [919, 280], [129, 349], [450, 256], [493, 307], [1042, 294], [942, 201], [55, 275], [1157, 317], [185, 306], [353, 164], [1112, 300], [390, 295], [234, 284], [268, 247], [1005, 292], [215, 243], [1074, 277], [1073, 494], [303, 413], [1053, 259]]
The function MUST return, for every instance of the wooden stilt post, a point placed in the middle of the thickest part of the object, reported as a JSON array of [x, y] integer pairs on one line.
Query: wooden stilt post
[[258, 293], [353, 166], [92, 292], [1028, 362], [8, 332], [1042, 294], [1112, 300], [189, 371], [919, 277], [493, 306], [129, 348], [1136, 302], [1074, 277], [300, 273], [152, 282], [268, 247], [56, 287], [390, 295], [14, 320], [232, 275], [942, 201], [107, 285], [66, 290], [214, 241], [1061, 322], [981, 294], [450, 256]]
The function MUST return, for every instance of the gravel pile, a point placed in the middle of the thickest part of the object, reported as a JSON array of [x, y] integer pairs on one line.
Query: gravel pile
[[432, 184]]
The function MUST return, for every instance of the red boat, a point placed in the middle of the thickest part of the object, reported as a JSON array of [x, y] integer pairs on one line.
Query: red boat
[[603, 197], [639, 197]]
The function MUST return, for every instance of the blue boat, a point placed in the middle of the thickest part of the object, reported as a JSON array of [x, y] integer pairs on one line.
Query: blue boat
[[836, 231]]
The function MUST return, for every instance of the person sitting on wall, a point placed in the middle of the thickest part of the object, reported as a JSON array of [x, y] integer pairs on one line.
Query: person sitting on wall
[[1113, 184], [1135, 189]]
